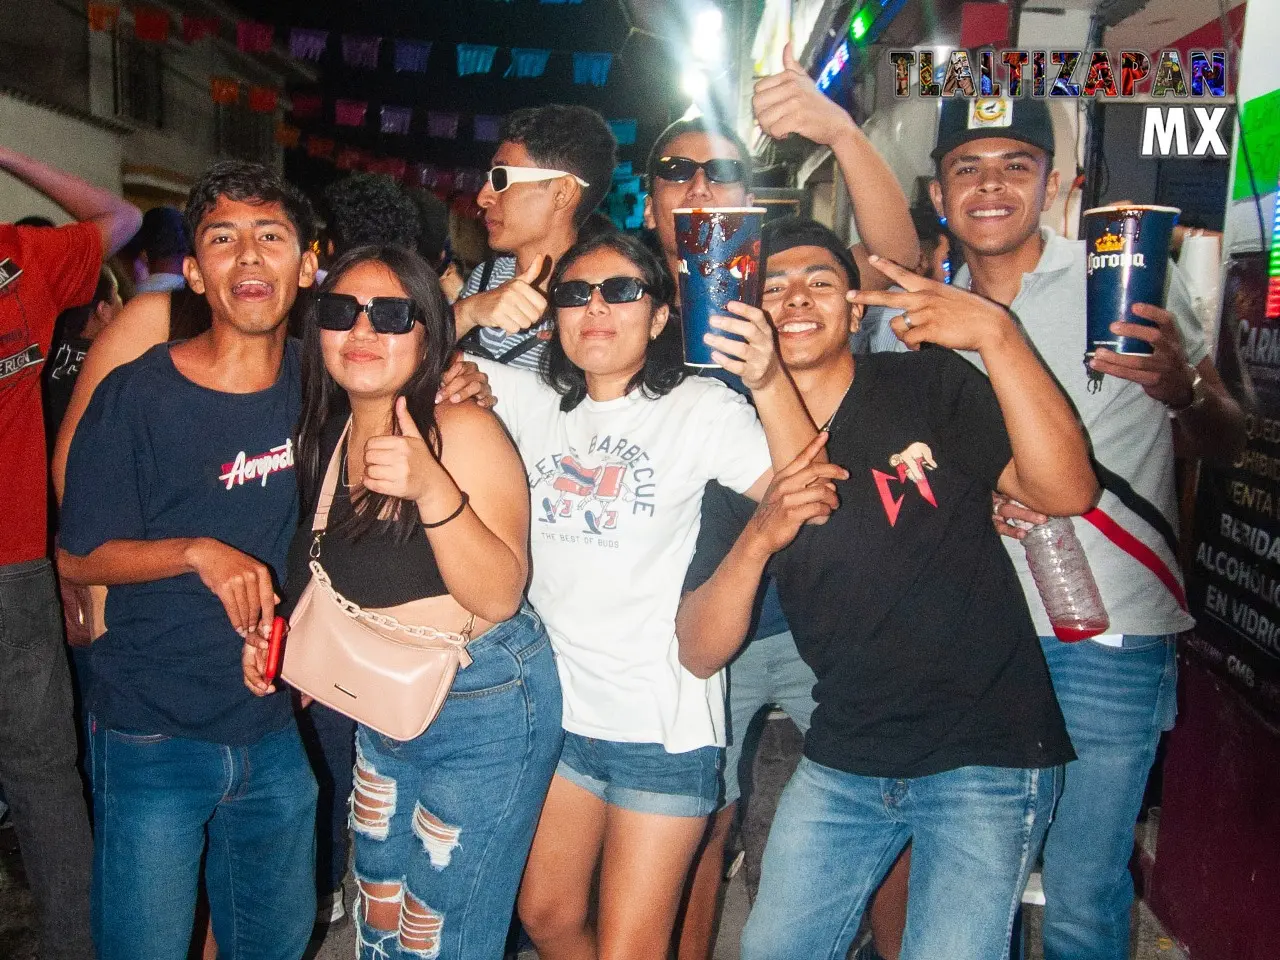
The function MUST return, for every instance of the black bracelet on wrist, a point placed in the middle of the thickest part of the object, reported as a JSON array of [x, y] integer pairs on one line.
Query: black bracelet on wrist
[[466, 498]]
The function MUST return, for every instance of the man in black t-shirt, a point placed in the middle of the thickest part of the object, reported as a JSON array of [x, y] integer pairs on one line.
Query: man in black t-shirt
[[936, 722]]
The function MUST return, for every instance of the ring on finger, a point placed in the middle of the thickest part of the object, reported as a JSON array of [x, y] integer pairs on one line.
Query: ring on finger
[[906, 320]]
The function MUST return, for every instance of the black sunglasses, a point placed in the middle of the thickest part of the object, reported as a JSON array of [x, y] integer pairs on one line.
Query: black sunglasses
[[338, 311], [682, 169], [577, 293]]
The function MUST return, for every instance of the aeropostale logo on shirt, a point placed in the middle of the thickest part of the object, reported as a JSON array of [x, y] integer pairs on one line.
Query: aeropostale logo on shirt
[[910, 464], [585, 495], [249, 467]]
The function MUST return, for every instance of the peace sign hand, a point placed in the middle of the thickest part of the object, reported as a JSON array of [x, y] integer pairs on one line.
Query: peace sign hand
[[937, 313], [804, 491]]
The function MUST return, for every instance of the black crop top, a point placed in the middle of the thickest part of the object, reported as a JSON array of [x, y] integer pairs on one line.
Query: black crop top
[[374, 571]]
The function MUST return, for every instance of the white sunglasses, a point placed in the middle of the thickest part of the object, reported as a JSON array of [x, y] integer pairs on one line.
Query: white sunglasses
[[501, 177]]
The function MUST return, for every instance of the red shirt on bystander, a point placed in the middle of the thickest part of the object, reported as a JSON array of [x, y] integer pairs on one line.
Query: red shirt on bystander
[[59, 269]]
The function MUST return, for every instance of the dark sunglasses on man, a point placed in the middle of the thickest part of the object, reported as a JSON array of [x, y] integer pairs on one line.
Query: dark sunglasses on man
[[338, 311], [577, 293], [682, 169]]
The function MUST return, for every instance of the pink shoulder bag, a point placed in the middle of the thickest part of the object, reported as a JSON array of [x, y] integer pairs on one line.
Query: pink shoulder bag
[[378, 667]]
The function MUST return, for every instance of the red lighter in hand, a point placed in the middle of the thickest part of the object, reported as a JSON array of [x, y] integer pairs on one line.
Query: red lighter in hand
[[274, 649]]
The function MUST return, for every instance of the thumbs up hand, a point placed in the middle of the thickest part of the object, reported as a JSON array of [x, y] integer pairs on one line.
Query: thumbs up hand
[[789, 102], [514, 306], [403, 466]]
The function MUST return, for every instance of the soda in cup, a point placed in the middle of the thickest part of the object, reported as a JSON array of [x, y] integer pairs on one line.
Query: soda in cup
[[719, 251]]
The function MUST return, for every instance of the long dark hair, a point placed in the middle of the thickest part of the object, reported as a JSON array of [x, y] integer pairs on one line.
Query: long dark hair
[[323, 399], [663, 368]]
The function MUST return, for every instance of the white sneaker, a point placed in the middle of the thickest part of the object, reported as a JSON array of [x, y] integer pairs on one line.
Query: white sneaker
[[330, 909], [1034, 893]]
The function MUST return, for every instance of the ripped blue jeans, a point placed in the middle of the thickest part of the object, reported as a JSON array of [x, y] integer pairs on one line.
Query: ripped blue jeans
[[443, 823]]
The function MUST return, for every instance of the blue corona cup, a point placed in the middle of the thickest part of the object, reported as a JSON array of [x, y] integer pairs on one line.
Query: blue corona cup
[[1127, 246], [719, 249]]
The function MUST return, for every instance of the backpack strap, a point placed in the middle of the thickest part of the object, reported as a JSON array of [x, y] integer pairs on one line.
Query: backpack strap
[[521, 348]]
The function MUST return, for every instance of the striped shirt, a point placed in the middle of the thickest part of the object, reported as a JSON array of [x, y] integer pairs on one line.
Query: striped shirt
[[494, 340]]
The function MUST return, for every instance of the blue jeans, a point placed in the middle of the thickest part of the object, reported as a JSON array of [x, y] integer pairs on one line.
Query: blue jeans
[[768, 671], [161, 804], [975, 833], [443, 823], [1116, 701]]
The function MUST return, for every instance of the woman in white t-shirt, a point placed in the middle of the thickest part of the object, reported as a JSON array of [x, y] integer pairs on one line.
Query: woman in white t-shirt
[[618, 445]]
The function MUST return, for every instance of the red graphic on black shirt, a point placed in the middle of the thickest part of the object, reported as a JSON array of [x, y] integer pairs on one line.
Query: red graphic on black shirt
[[911, 464]]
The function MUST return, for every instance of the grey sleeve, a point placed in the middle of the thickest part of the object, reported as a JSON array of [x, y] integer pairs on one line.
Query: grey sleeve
[[880, 337]]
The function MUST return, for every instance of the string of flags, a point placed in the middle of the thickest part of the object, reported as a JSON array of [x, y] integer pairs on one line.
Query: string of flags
[[151, 24], [444, 181], [398, 120], [155, 24]]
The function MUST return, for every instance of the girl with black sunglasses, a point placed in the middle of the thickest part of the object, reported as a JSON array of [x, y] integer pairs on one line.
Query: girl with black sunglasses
[[618, 445], [429, 506]]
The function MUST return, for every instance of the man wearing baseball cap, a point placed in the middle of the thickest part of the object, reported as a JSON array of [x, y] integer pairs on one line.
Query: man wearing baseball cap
[[993, 181]]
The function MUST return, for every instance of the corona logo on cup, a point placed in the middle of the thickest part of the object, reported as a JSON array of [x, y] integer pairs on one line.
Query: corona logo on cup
[[1108, 243]]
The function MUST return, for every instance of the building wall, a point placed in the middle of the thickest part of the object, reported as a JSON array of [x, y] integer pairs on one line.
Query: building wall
[[48, 52], [62, 141], [44, 50]]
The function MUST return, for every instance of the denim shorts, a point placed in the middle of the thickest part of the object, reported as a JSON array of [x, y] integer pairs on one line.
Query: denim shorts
[[644, 777]]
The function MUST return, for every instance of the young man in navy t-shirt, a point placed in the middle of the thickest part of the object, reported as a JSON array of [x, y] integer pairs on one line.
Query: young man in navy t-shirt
[[181, 498]]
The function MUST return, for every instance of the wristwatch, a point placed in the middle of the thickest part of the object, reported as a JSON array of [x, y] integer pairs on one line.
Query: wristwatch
[[1199, 393]]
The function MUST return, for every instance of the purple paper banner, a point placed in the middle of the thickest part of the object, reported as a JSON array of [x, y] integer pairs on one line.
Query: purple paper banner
[[412, 55], [442, 123], [485, 127], [396, 119], [470, 181], [307, 44], [361, 51]]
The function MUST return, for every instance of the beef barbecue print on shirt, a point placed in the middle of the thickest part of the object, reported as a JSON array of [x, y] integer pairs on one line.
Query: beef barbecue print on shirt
[[584, 496]]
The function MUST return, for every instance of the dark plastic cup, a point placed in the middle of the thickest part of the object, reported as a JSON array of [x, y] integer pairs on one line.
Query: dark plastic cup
[[1127, 250], [719, 250]]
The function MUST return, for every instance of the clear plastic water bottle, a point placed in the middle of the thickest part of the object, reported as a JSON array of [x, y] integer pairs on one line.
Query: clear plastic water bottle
[[1065, 582]]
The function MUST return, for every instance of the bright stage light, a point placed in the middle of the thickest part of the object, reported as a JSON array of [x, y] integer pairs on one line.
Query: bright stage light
[[707, 38], [694, 83]]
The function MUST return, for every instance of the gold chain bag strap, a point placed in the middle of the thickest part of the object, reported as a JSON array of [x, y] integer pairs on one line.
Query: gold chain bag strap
[[378, 667]]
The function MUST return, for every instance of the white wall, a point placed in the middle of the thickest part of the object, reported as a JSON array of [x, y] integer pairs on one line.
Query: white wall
[[60, 141]]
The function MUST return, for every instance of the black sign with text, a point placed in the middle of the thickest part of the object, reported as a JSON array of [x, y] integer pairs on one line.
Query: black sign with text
[[1234, 574]]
